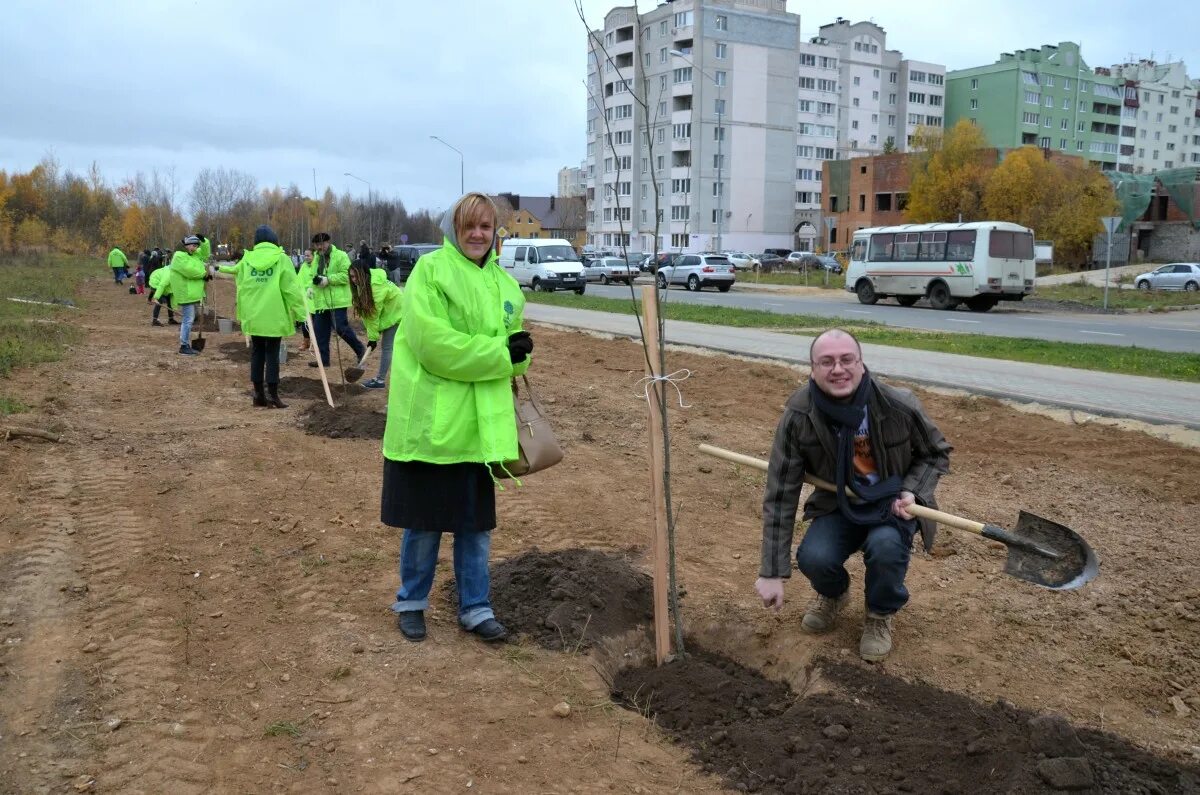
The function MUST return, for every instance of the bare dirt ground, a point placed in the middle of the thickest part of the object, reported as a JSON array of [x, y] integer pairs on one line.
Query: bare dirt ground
[[194, 593]]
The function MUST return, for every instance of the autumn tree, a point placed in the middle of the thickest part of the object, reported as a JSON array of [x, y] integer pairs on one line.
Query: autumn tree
[[948, 174], [1022, 189], [135, 229]]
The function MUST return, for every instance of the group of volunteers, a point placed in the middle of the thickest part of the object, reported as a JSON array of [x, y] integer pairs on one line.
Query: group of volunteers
[[453, 340]]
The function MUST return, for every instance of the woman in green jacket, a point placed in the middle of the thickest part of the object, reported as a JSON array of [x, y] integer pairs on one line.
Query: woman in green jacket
[[377, 301], [331, 297], [450, 414], [268, 305]]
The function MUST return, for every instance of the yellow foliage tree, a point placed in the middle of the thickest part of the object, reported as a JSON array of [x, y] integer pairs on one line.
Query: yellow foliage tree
[[135, 227], [32, 232], [948, 173], [110, 231], [1073, 222], [1023, 189]]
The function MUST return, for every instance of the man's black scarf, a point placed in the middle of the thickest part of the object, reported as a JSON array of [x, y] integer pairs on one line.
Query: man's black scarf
[[875, 506]]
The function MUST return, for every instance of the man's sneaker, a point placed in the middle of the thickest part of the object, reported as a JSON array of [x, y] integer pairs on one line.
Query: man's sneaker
[[156, 322], [822, 612], [188, 350], [412, 624], [876, 641], [374, 383], [489, 631], [172, 322]]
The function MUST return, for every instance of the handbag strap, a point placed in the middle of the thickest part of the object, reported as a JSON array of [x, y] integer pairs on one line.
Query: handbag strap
[[533, 398]]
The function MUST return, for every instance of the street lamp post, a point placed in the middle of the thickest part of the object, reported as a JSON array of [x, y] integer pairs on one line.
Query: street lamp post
[[370, 207], [720, 189], [461, 181]]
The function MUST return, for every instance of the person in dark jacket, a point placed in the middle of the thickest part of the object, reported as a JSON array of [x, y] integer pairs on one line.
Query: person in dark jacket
[[873, 440]]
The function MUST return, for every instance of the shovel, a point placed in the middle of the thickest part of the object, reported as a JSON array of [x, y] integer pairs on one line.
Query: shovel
[[199, 343], [1040, 551], [352, 374]]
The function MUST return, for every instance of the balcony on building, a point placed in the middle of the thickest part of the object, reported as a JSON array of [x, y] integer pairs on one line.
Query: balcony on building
[[1101, 128], [1126, 149], [681, 159], [684, 46], [1105, 109], [1131, 94], [682, 103]]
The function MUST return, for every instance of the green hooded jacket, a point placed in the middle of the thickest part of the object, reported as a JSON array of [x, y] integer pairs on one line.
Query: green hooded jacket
[[117, 259], [387, 304], [450, 399], [269, 303], [160, 282], [187, 275], [337, 269]]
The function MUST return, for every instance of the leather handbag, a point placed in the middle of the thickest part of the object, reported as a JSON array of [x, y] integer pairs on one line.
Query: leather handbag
[[537, 447]]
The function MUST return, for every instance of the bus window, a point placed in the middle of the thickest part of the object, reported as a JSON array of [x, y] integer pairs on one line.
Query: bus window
[[960, 245], [1000, 244], [1022, 245], [881, 247], [906, 246], [933, 246], [858, 252]]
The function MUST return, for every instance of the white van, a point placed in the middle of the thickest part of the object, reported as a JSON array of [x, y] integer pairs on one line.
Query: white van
[[545, 264], [979, 264]]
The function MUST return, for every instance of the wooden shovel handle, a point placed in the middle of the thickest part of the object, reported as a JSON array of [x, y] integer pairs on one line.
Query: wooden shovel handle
[[916, 510]]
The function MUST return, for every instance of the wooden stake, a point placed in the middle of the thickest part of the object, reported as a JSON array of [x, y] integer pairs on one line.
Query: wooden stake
[[312, 335], [662, 629]]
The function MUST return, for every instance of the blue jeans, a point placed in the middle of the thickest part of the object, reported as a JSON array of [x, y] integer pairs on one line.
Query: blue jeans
[[187, 314], [831, 540], [386, 340], [118, 275], [326, 321], [418, 559]]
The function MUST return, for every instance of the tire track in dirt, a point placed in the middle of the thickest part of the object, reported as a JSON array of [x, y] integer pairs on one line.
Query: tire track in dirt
[[139, 655], [44, 624]]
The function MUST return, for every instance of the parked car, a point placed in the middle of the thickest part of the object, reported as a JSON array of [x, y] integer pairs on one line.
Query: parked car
[[795, 257], [543, 264], [664, 258], [608, 269], [740, 261], [815, 262], [696, 272], [768, 263], [1176, 276], [403, 258], [779, 252]]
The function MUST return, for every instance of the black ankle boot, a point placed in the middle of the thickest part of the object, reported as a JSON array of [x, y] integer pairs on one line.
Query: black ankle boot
[[275, 402], [260, 397]]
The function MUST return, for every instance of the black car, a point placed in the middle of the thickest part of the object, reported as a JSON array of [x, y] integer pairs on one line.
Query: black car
[[404, 257], [769, 263], [665, 258]]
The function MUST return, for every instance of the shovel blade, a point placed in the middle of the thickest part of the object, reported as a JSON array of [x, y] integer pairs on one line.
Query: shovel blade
[[1074, 564], [198, 344], [353, 373]]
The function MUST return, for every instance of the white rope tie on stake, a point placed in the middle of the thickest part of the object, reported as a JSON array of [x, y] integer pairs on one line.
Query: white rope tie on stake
[[673, 379]]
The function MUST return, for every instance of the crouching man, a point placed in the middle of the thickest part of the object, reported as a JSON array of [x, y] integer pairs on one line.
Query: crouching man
[[874, 441]]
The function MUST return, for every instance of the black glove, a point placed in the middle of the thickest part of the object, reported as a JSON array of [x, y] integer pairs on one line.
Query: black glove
[[520, 345], [202, 237], [372, 344], [208, 277]]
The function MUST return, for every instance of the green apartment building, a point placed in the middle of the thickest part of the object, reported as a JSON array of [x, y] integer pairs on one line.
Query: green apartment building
[[1050, 98]]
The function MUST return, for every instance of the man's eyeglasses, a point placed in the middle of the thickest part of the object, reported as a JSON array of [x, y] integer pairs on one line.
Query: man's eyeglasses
[[828, 362]]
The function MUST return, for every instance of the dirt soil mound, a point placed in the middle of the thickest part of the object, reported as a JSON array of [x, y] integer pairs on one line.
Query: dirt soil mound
[[311, 388], [344, 422], [235, 351], [871, 732], [571, 598]]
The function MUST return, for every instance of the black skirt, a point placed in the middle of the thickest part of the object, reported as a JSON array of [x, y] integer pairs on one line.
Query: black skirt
[[448, 498]]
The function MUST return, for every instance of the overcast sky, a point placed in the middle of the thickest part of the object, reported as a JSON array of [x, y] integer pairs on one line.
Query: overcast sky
[[278, 89]]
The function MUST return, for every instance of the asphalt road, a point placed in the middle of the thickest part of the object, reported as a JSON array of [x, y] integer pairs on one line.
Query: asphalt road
[[1167, 331]]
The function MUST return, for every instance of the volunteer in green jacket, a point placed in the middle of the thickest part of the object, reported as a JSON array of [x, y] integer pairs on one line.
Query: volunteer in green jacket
[[305, 271], [331, 297], [269, 303], [118, 262], [377, 301], [160, 289], [188, 274], [450, 414]]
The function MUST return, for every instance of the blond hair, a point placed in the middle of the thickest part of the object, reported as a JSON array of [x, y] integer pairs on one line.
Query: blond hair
[[472, 208]]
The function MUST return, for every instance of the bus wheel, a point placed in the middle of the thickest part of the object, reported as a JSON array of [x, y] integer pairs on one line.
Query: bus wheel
[[907, 300], [980, 303], [940, 298], [865, 292]]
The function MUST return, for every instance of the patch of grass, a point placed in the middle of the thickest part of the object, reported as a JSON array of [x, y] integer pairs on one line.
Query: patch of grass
[[364, 557], [11, 406], [341, 672], [35, 333], [283, 728], [1138, 300], [1105, 358], [837, 281], [310, 563]]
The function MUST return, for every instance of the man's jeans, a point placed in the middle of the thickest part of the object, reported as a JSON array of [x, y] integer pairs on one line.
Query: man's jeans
[[831, 540], [418, 559], [324, 322], [118, 275], [187, 314]]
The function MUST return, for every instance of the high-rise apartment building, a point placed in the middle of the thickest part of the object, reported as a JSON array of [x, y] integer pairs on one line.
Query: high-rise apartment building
[[1047, 97], [1163, 105], [571, 181], [697, 97]]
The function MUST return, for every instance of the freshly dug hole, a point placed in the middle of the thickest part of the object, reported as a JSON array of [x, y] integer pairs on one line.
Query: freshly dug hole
[[235, 351], [311, 389], [345, 422], [571, 598], [875, 733]]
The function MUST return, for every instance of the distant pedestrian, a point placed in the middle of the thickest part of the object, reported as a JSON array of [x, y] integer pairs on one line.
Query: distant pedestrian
[[118, 262], [377, 301], [188, 275], [305, 271], [269, 303], [331, 297]]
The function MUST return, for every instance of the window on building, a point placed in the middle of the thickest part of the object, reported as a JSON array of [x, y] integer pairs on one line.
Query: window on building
[[857, 80], [681, 132], [916, 97], [721, 49], [808, 82], [682, 75], [806, 106], [1033, 98], [974, 84], [718, 133], [1029, 118], [719, 107], [808, 59], [1047, 80], [891, 77], [974, 104], [721, 22], [718, 161], [718, 189], [827, 85], [720, 77], [681, 186], [916, 76], [935, 100], [1049, 101], [683, 19], [891, 99]]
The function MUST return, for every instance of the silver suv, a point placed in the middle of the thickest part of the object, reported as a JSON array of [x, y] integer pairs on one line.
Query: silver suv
[[696, 271]]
